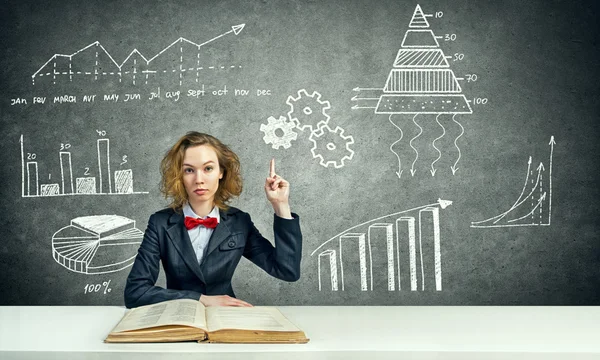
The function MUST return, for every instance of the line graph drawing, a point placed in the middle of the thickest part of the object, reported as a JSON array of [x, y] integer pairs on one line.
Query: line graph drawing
[[420, 83], [95, 62], [533, 206], [84, 185], [97, 244], [392, 252]]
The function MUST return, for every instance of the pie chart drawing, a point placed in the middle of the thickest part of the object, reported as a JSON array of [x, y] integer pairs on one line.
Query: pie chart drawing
[[97, 244]]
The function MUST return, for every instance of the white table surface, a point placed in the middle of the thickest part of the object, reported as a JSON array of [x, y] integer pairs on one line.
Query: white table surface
[[335, 332]]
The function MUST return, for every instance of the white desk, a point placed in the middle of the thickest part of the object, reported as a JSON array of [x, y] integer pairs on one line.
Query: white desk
[[341, 332]]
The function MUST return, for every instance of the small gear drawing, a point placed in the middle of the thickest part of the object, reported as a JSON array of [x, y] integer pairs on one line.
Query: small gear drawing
[[331, 146], [286, 133], [308, 111]]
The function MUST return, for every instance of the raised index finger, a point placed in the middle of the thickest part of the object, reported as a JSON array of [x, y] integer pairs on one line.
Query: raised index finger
[[272, 168]]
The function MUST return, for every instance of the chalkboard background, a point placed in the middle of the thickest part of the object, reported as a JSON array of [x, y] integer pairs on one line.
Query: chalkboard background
[[518, 162]]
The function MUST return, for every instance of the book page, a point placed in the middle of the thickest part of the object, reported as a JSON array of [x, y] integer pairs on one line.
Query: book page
[[173, 312], [247, 318]]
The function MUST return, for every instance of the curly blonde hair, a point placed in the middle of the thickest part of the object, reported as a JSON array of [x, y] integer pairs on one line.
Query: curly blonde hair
[[171, 169]]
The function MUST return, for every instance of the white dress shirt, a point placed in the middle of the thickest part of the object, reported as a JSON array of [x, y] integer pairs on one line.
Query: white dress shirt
[[200, 234]]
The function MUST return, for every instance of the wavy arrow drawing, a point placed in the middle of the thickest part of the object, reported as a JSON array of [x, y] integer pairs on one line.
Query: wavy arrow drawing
[[412, 168], [399, 172], [453, 167], [433, 170]]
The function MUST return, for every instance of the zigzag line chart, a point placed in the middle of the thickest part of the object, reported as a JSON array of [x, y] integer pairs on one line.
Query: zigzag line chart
[[182, 58], [420, 83]]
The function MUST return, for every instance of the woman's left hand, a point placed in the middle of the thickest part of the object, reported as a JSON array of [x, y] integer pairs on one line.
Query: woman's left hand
[[276, 187]]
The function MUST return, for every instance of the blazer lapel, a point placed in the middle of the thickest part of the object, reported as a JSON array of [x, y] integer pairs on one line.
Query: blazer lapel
[[181, 240], [221, 233]]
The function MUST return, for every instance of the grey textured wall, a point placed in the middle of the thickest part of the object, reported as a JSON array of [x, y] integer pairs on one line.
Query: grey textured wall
[[415, 196]]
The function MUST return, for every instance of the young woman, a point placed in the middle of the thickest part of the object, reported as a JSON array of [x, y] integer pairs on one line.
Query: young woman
[[200, 239]]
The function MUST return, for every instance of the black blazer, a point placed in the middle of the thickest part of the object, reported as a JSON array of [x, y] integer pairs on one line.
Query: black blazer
[[167, 240]]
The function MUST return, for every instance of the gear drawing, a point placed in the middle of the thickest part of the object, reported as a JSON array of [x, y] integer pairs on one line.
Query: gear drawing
[[331, 146], [283, 137], [308, 111]]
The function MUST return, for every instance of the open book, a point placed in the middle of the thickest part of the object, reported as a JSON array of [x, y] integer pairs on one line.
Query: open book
[[190, 320]]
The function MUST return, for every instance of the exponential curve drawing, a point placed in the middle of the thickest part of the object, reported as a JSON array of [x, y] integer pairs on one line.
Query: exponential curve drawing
[[533, 207]]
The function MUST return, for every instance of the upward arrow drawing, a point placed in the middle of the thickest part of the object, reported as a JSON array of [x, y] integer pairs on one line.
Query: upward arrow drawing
[[551, 143], [236, 29]]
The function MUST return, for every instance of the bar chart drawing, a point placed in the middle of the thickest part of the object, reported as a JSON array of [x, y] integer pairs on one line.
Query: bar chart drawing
[[181, 59], [394, 252], [69, 184], [97, 244]]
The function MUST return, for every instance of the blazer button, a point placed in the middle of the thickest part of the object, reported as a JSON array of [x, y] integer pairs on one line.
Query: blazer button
[[231, 244]]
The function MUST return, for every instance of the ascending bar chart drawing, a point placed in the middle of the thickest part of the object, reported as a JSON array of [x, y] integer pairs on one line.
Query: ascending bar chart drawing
[[394, 252], [97, 244], [106, 183]]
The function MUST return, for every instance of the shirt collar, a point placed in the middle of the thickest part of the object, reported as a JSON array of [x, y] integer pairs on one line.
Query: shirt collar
[[187, 211]]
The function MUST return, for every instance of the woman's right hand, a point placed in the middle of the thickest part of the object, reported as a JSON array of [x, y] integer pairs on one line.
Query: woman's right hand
[[222, 300]]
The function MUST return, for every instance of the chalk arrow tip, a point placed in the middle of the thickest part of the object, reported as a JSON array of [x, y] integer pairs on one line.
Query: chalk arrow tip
[[552, 142], [454, 170], [541, 167], [399, 173], [444, 203], [412, 172], [433, 172], [238, 28]]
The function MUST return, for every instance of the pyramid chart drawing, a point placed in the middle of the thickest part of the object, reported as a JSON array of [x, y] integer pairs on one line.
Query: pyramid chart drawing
[[418, 19], [97, 244], [420, 81]]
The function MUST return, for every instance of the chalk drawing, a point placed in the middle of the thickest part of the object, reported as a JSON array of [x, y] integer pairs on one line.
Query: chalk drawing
[[95, 62], [533, 207], [388, 253], [70, 185], [331, 146], [307, 111], [419, 83], [97, 244], [279, 132], [419, 19]]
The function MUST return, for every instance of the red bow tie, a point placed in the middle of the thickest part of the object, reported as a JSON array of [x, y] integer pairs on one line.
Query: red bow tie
[[209, 222]]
